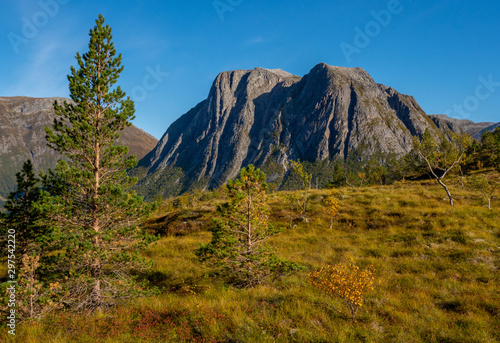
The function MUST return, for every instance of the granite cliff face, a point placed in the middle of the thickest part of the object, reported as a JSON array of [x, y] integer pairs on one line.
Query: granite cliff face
[[261, 116], [22, 136]]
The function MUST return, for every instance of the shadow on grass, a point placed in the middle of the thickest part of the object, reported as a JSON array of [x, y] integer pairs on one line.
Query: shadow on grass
[[173, 284], [179, 223]]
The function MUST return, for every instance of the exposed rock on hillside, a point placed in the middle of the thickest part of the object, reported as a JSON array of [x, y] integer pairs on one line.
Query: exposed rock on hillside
[[270, 116], [22, 136]]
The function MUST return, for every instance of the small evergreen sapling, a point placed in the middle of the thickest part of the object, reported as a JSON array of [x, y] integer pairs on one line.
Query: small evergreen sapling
[[238, 247]]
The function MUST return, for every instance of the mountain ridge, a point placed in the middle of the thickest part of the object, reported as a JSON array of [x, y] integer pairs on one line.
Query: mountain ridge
[[22, 136], [260, 116], [264, 116], [459, 125], [490, 128]]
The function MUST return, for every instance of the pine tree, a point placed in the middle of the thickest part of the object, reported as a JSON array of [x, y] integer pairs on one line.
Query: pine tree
[[26, 220], [94, 208], [238, 245], [24, 216]]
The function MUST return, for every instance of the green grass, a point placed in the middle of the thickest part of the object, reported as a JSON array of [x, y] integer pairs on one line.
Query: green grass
[[437, 272]]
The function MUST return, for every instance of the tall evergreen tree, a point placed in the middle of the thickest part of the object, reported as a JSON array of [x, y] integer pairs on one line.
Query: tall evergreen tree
[[94, 209], [24, 215]]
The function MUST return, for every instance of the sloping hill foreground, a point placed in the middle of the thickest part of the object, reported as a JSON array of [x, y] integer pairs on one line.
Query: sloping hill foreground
[[437, 275]]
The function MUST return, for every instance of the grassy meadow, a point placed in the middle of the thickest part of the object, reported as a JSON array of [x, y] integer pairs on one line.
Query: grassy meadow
[[437, 275]]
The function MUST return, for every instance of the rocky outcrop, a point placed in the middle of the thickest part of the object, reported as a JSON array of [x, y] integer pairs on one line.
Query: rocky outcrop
[[22, 136], [254, 116]]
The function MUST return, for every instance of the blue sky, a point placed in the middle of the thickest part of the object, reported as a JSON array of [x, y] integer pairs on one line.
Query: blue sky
[[444, 53]]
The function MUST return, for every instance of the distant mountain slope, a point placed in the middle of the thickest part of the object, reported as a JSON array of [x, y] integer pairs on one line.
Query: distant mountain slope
[[458, 125], [490, 128], [266, 116], [22, 136]]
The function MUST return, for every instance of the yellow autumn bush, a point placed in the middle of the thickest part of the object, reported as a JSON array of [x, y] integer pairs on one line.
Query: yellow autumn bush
[[345, 281]]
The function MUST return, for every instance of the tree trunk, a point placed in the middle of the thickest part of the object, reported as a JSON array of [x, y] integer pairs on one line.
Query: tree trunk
[[96, 299], [96, 296], [447, 191], [33, 292], [305, 200], [249, 223]]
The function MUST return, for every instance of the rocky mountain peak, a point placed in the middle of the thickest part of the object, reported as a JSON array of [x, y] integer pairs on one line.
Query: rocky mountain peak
[[263, 116]]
